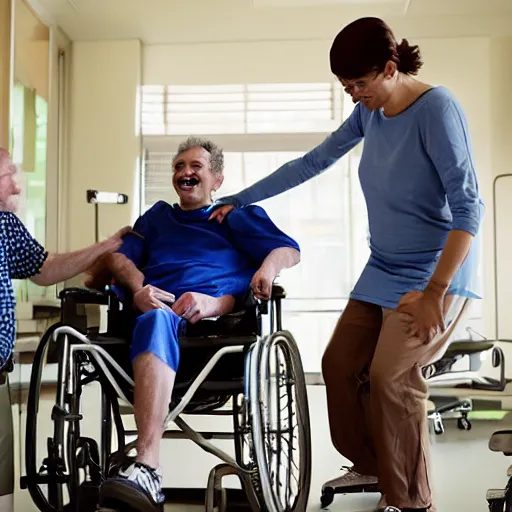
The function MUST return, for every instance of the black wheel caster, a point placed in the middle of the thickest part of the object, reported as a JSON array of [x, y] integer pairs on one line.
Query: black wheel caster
[[463, 424], [496, 505], [327, 497]]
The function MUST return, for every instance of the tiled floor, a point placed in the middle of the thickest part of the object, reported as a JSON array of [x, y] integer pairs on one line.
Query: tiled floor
[[463, 466], [463, 470]]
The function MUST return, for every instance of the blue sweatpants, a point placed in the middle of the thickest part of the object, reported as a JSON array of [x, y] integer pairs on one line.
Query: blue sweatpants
[[158, 331]]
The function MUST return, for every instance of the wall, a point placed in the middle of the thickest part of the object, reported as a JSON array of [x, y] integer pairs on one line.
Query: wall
[[501, 153], [56, 193], [104, 143], [31, 50]]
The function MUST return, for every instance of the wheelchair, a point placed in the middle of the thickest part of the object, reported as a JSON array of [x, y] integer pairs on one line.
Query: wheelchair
[[228, 367]]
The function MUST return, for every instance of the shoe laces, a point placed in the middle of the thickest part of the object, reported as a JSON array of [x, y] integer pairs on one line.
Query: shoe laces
[[350, 474], [148, 478]]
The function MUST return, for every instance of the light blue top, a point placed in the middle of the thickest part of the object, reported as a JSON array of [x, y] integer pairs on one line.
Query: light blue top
[[418, 178]]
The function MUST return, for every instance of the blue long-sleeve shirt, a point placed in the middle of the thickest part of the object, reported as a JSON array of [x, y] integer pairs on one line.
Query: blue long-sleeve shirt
[[418, 178]]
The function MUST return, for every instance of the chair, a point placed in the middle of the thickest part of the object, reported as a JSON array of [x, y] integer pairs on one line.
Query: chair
[[467, 364], [228, 367], [500, 500]]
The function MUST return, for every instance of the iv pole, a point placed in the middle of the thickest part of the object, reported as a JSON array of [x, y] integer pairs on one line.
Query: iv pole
[[96, 197]]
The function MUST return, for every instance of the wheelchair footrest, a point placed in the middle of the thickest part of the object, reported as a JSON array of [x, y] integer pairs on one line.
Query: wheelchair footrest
[[58, 412], [352, 489], [495, 494], [42, 480], [88, 497]]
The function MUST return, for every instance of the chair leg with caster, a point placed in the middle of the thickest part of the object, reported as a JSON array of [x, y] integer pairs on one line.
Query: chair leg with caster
[[327, 497]]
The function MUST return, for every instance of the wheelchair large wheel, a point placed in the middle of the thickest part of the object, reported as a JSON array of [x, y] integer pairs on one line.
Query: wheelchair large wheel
[[52, 471], [281, 436], [70, 457]]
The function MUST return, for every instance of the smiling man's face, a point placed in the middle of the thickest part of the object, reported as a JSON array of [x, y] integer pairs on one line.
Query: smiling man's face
[[193, 178]]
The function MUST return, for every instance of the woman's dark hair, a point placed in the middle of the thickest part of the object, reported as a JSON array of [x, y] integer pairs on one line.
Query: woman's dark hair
[[366, 45]]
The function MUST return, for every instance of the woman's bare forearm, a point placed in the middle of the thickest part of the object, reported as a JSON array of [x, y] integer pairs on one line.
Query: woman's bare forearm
[[452, 257]]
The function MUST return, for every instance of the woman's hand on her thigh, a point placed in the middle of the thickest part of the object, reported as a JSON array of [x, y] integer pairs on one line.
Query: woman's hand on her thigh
[[425, 311]]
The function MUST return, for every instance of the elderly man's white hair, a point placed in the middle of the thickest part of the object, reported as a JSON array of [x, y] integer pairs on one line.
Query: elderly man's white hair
[[18, 203], [216, 154]]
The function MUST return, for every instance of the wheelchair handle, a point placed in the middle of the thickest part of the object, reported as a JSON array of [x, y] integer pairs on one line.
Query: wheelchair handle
[[85, 296]]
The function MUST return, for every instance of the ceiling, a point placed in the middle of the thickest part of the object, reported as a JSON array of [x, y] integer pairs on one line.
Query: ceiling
[[199, 21], [258, 4]]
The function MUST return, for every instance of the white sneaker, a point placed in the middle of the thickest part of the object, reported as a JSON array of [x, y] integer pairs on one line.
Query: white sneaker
[[136, 484], [351, 479]]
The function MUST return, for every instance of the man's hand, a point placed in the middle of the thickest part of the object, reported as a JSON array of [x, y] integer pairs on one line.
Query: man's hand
[[261, 284], [425, 310], [193, 306], [150, 297], [113, 243], [98, 275], [221, 212]]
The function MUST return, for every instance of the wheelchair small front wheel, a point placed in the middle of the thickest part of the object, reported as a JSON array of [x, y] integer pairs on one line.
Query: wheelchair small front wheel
[[327, 497]]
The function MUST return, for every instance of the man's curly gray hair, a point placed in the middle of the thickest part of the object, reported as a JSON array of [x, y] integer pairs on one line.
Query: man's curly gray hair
[[216, 154]]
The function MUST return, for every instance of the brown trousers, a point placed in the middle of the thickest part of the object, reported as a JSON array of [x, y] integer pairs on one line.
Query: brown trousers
[[376, 398]]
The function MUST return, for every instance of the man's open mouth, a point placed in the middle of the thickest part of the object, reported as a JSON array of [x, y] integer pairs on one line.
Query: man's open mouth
[[187, 183]]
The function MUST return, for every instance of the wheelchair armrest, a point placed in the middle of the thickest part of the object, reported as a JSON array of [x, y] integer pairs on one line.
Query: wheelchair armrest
[[278, 292], [74, 301], [85, 296]]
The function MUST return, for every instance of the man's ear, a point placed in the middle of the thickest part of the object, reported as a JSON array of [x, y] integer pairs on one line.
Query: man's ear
[[218, 181]]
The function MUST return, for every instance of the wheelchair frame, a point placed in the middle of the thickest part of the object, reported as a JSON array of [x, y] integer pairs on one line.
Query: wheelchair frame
[[271, 360]]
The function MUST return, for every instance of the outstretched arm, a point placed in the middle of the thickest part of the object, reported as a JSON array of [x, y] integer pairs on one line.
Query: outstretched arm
[[302, 169], [277, 260], [60, 267]]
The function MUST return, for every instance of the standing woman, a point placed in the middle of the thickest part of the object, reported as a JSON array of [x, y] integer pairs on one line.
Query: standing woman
[[424, 210]]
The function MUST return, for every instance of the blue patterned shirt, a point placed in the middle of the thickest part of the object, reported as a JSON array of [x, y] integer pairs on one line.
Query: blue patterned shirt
[[21, 256]]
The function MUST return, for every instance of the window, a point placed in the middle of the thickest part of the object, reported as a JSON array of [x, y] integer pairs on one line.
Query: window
[[236, 109], [29, 147]]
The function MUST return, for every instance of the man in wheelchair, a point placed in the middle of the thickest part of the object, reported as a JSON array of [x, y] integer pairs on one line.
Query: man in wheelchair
[[178, 267]]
